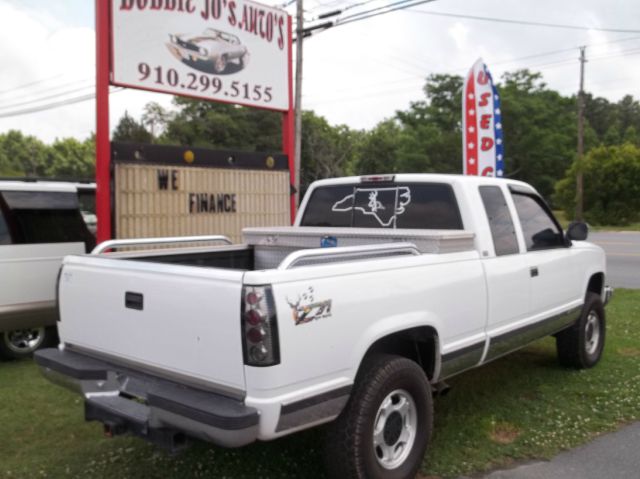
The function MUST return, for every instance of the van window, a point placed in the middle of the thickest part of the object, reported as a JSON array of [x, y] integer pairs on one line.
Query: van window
[[47, 217], [5, 237]]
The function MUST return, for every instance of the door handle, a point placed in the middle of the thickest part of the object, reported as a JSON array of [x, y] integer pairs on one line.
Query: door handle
[[533, 271], [133, 300]]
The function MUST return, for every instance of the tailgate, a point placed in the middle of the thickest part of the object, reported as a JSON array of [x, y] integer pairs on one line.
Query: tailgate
[[173, 320]]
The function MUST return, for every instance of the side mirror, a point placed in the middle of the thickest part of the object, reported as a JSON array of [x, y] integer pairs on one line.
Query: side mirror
[[577, 231]]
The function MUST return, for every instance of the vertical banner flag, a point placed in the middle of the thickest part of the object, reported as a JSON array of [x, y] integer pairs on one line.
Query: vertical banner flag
[[482, 145]]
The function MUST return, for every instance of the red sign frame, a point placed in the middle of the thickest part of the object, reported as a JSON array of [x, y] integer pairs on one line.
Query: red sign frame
[[104, 65]]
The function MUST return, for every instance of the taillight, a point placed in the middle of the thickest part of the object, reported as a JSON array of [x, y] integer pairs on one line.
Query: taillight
[[259, 327]]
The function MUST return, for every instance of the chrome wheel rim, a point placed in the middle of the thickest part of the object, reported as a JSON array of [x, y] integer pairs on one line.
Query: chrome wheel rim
[[592, 333], [24, 341], [394, 429]]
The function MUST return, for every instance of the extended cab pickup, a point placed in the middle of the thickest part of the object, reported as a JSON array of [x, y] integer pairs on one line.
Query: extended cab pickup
[[384, 287]]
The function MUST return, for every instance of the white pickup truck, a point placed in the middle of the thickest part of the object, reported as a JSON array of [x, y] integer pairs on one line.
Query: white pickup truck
[[385, 287]]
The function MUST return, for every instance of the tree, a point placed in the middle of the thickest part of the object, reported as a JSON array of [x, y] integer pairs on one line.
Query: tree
[[129, 130], [611, 185], [70, 158], [539, 130], [219, 125], [155, 117], [378, 149], [22, 155], [327, 151]]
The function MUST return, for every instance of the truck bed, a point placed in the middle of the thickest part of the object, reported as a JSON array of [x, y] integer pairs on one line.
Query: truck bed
[[266, 248]]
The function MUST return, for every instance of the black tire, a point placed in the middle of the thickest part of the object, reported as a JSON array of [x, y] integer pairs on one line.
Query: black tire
[[581, 345], [21, 344], [350, 450]]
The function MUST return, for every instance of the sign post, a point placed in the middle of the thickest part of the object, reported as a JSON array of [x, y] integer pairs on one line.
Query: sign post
[[103, 147], [230, 51]]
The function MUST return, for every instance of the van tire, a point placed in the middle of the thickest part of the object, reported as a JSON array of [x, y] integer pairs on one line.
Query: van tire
[[21, 344]]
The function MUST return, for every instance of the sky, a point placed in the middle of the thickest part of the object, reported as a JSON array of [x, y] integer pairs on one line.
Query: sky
[[355, 74]]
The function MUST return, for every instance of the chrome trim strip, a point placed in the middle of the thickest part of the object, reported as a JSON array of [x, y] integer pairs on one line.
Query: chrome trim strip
[[455, 362], [348, 253], [105, 245], [310, 410], [508, 342]]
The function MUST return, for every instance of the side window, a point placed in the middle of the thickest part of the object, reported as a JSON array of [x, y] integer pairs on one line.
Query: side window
[[5, 237], [46, 217], [500, 222], [539, 229]]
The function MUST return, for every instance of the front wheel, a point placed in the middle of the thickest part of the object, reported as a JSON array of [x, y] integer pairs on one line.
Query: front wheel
[[385, 427], [582, 344], [22, 343]]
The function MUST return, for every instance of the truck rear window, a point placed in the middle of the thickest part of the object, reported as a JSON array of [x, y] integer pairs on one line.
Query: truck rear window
[[389, 205]]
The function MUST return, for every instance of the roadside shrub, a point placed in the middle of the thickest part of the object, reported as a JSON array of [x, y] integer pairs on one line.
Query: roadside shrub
[[611, 186]]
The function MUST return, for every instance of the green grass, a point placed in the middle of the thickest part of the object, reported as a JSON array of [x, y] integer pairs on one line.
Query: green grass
[[518, 408], [564, 222]]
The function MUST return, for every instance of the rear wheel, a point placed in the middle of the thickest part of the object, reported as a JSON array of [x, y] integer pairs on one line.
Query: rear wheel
[[22, 343], [582, 344], [385, 427]]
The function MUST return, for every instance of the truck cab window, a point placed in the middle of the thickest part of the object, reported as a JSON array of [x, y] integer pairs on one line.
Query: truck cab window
[[540, 229], [502, 229]]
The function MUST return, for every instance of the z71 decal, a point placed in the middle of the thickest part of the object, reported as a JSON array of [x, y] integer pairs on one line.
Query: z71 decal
[[306, 309], [384, 204]]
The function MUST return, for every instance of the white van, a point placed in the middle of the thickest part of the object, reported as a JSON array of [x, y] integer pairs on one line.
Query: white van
[[40, 223]]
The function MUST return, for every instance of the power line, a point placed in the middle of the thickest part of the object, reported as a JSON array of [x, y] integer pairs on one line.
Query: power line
[[48, 97], [525, 22], [25, 85], [50, 106], [48, 89], [356, 17]]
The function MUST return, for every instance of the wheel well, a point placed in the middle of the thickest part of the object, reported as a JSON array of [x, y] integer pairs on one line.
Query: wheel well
[[418, 344], [596, 283]]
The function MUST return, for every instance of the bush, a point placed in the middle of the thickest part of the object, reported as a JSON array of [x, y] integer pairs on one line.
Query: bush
[[611, 186]]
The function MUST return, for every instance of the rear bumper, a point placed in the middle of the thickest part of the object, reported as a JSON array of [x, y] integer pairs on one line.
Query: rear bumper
[[158, 410]]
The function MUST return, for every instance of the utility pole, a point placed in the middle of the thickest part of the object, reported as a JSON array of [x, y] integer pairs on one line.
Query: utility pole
[[579, 185], [298, 101]]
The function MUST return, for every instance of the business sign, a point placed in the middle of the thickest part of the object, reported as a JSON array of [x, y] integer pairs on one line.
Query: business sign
[[482, 136], [234, 51], [174, 191]]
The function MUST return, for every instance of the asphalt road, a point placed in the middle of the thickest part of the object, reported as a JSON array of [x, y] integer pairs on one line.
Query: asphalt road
[[613, 456], [623, 257]]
